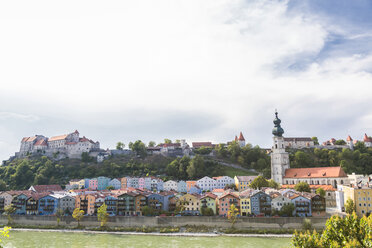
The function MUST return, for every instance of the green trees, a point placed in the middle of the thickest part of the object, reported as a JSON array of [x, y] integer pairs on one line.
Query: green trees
[[349, 206], [320, 192], [59, 215], [259, 182], [102, 214], [203, 150], [196, 167], [287, 210], [206, 211], [315, 139], [273, 184], [340, 142], [120, 146], [86, 158], [139, 148], [152, 144], [2, 185], [302, 187], [167, 141], [78, 215], [9, 210], [339, 232]]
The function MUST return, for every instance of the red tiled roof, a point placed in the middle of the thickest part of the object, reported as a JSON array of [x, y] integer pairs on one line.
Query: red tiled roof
[[294, 139], [60, 137], [200, 144], [211, 195], [312, 186], [349, 138], [317, 172], [41, 142], [366, 138], [241, 137], [46, 188]]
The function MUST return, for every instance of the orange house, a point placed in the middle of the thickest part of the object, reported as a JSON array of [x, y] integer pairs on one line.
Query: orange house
[[225, 201], [190, 184]]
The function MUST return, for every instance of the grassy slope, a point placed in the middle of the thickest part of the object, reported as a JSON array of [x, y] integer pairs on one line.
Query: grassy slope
[[231, 172]]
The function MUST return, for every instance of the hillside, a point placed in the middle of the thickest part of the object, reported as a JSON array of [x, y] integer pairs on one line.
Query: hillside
[[21, 173]]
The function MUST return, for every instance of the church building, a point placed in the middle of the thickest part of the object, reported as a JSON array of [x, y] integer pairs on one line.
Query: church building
[[315, 176]]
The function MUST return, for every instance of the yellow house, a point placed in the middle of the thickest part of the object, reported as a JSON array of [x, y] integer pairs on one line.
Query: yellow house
[[245, 205], [190, 204], [361, 197], [242, 182], [81, 184]]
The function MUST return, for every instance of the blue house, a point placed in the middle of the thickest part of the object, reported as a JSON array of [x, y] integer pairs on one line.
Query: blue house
[[111, 203], [102, 182], [182, 187], [195, 190], [19, 201], [159, 201], [86, 183], [260, 203], [302, 205], [48, 205]]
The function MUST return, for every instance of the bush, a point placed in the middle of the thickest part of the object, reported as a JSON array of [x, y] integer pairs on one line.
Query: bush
[[306, 224]]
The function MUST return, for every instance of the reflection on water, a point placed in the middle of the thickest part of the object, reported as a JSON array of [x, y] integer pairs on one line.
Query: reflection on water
[[34, 239]]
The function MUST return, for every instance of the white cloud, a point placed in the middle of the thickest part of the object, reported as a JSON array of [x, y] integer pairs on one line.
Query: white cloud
[[136, 60]]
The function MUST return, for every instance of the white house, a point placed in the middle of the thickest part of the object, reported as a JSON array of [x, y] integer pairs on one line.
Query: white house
[[170, 185], [278, 201], [206, 183], [221, 182]]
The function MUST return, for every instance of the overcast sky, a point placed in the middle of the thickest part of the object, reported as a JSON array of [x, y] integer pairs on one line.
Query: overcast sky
[[202, 70]]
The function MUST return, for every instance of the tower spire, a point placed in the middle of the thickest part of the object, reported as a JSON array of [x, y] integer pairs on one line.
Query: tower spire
[[277, 130]]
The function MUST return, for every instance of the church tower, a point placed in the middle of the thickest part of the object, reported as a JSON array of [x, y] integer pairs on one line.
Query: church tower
[[279, 157]]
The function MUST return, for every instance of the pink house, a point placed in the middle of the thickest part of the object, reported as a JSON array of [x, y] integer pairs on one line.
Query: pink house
[[225, 201], [141, 183], [93, 183]]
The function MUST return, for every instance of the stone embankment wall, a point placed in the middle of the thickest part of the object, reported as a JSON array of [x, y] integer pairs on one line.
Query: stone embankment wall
[[218, 222]]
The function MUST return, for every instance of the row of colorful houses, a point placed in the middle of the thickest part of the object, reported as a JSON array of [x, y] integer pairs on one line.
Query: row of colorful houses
[[132, 202], [156, 184]]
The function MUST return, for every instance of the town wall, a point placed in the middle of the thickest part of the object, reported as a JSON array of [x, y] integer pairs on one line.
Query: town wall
[[210, 221]]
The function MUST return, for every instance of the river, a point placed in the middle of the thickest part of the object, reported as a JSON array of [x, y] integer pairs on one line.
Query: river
[[35, 239]]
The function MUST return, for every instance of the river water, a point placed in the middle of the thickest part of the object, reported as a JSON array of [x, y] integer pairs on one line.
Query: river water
[[35, 239]]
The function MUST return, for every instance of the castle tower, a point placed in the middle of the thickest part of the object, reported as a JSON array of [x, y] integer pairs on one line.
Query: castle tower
[[241, 140], [349, 142], [279, 157]]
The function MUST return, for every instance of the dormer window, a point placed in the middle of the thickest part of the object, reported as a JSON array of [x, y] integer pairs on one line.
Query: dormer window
[[308, 174]]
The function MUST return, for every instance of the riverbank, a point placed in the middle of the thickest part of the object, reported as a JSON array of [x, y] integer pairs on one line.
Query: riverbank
[[280, 224], [155, 234]]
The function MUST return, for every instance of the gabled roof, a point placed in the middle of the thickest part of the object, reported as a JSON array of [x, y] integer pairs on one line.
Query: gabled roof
[[312, 186], [246, 178], [227, 194], [349, 138], [241, 137], [45, 188], [59, 137], [200, 144], [211, 195], [366, 138], [316, 172], [41, 142], [294, 139]]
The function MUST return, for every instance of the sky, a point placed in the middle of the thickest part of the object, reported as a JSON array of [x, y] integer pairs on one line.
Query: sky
[[184, 69]]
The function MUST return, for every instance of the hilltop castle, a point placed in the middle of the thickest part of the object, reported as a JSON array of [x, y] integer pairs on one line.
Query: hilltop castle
[[67, 145]]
